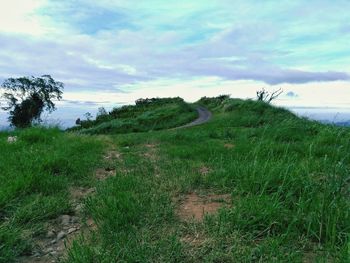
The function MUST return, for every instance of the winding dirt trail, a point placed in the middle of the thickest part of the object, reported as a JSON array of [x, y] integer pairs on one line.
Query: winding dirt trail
[[204, 115]]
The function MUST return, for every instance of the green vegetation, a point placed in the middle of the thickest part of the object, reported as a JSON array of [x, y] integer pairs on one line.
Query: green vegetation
[[287, 179], [28, 97], [145, 115], [36, 172]]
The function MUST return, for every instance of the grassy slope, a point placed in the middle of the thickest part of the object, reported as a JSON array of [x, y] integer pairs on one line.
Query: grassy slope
[[35, 175], [141, 118], [37, 171], [288, 178]]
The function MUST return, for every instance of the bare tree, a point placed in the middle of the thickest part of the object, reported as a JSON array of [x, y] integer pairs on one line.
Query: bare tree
[[263, 95], [88, 116]]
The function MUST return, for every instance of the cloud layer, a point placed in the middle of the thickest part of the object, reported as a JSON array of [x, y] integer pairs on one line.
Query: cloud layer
[[111, 46]]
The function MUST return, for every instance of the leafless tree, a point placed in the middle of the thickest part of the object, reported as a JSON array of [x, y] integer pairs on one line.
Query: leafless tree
[[263, 95]]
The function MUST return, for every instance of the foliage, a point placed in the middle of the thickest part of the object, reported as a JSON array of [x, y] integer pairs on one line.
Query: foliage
[[102, 115], [78, 121], [220, 98], [159, 101], [28, 97], [88, 116]]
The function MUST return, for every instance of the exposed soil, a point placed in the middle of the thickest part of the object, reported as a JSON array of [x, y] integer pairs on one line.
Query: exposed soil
[[152, 155], [193, 240], [77, 194], [104, 173], [229, 145], [151, 145], [151, 152], [112, 155], [309, 257], [204, 170], [193, 206]]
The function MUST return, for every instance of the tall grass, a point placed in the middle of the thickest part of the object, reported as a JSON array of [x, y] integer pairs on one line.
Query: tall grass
[[288, 178], [36, 172]]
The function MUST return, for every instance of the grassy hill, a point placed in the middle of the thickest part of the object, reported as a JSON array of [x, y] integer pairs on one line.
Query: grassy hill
[[145, 115], [254, 184]]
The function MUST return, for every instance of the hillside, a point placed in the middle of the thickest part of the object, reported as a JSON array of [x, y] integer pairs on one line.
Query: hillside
[[145, 115], [254, 184]]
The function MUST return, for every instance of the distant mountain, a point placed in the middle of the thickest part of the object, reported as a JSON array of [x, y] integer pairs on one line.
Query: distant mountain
[[343, 123], [337, 123]]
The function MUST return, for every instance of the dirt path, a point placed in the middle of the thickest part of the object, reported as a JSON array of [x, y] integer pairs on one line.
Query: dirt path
[[204, 116]]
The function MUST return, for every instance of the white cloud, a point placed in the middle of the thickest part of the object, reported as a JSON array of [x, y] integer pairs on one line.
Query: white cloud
[[183, 48], [334, 94], [19, 16]]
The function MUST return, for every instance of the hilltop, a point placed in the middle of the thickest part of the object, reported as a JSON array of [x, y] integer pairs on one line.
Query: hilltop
[[255, 183], [145, 115]]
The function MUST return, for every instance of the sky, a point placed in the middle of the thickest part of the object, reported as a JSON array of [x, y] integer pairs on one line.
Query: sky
[[112, 52]]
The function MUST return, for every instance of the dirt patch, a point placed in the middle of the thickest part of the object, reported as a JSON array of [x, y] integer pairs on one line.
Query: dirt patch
[[79, 193], [151, 145], [229, 145], [53, 246], [109, 171], [112, 155], [193, 206], [309, 257], [151, 154], [193, 240], [204, 170], [104, 173]]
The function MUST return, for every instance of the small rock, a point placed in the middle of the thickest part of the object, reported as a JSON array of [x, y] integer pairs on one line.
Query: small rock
[[71, 230], [79, 207], [74, 219], [11, 139], [50, 249], [65, 219], [90, 190], [50, 234], [60, 235], [53, 241], [53, 253], [36, 254]]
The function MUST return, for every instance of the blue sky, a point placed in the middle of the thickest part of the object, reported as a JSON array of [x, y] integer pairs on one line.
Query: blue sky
[[110, 52]]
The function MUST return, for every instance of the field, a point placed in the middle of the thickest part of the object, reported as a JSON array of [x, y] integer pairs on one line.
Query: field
[[36, 174], [254, 184]]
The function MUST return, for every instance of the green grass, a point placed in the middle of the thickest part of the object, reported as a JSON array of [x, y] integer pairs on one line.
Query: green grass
[[36, 172], [156, 115], [288, 179]]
